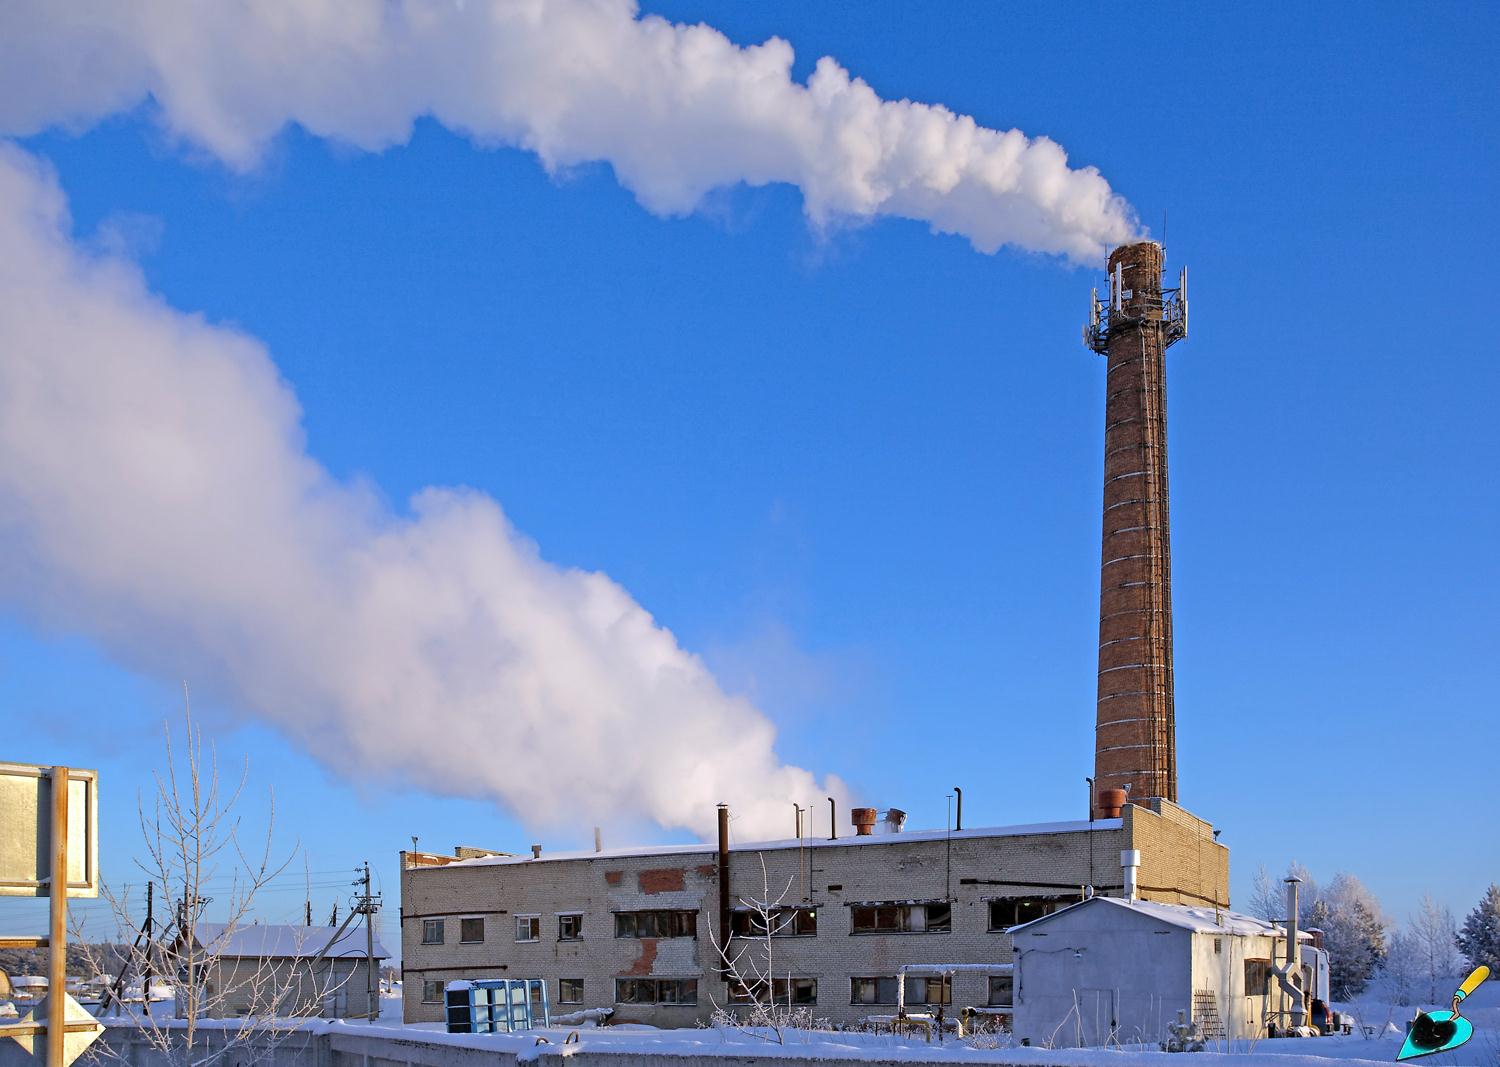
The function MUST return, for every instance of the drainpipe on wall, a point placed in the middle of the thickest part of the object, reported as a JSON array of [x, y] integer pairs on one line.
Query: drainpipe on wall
[[723, 945]]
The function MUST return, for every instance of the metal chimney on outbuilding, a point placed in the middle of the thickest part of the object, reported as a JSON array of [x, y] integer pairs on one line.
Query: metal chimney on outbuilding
[[1135, 739]]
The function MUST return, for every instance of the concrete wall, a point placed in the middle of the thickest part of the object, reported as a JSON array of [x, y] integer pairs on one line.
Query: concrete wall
[[348, 1047], [245, 986], [1181, 862]]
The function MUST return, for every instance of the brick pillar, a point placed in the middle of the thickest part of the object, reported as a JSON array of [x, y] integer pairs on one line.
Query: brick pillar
[[1135, 742]]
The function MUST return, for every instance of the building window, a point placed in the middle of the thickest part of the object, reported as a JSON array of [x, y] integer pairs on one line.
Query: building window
[[1002, 990], [884, 990], [1218, 946], [872, 990], [784, 922], [1257, 977], [783, 991], [570, 990], [570, 927], [432, 992], [1013, 911], [656, 991], [934, 918], [656, 924], [528, 927], [432, 931], [470, 931]]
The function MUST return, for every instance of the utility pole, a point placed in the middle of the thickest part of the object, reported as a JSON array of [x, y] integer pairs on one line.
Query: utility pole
[[150, 926], [307, 912], [367, 905]]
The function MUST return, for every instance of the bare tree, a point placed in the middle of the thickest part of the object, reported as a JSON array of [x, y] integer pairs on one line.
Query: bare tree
[[190, 827], [1267, 900], [1434, 932], [762, 1001]]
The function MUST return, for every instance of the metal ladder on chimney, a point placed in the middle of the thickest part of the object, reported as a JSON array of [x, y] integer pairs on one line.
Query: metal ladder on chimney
[[1206, 1015]]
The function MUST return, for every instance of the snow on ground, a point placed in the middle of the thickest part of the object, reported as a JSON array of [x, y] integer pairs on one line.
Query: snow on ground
[[1354, 1050]]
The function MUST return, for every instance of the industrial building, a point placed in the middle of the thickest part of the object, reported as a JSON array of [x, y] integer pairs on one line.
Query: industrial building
[[640, 930], [263, 968], [947, 919], [1115, 971]]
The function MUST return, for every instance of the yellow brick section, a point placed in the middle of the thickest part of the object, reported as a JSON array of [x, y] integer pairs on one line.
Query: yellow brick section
[[1181, 863]]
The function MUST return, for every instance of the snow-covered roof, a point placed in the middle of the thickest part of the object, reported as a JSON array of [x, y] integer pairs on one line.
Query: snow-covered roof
[[705, 848], [1198, 920], [268, 941]]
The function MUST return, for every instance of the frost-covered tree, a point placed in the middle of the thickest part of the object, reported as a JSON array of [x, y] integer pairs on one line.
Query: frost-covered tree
[[1353, 932], [1433, 929], [1267, 899], [1479, 939], [1402, 968]]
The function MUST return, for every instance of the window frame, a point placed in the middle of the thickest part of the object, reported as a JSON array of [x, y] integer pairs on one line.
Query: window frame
[[442, 991], [433, 924], [900, 918], [535, 922], [786, 921], [659, 923], [562, 997], [1008, 981], [1051, 902], [577, 917], [463, 922], [658, 988]]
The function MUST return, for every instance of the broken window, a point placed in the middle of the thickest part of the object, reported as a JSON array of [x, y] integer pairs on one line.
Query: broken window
[[528, 927], [785, 922], [432, 992], [1002, 990], [432, 931], [570, 927], [656, 923], [656, 990], [570, 990], [1013, 911], [470, 931], [934, 918], [782, 991]]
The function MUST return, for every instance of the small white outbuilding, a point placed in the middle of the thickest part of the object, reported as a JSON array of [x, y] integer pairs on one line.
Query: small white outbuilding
[[1108, 970]]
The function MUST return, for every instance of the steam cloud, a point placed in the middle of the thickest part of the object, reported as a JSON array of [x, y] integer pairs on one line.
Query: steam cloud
[[676, 110], [155, 493]]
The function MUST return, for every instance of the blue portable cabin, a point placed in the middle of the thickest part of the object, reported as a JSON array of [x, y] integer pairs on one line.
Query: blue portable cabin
[[497, 1005]]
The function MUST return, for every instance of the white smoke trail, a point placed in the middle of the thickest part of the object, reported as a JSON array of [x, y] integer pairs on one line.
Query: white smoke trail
[[155, 494], [676, 110]]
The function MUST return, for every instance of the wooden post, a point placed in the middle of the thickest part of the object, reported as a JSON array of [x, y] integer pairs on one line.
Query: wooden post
[[57, 938]]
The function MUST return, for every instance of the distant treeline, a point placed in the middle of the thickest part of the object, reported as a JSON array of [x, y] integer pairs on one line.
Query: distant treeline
[[16, 961]]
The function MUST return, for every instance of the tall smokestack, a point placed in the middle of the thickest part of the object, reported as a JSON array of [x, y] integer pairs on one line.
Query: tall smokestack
[[1135, 739]]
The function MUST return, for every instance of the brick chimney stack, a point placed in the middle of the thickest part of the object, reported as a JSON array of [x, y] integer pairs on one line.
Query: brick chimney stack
[[1135, 739]]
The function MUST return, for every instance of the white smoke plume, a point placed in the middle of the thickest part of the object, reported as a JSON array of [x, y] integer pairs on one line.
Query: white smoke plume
[[155, 493], [676, 110]]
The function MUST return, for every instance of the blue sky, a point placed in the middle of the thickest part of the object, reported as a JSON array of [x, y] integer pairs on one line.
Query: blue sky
[[859, 470]]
